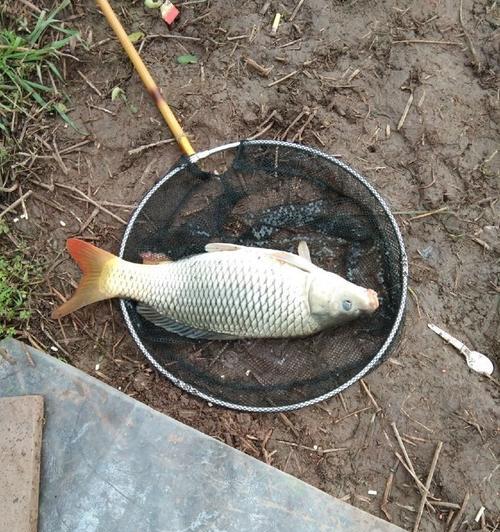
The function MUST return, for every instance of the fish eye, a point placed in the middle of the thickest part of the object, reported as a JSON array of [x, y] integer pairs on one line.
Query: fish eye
[[347, 305]]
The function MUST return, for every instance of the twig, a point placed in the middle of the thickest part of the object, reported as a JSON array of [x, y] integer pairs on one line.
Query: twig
[[291, 43], [140, 149], [417, 422], [320, 140], [8, 190], [402, 447], [369, 394], [427, 485], [103, 109], [432, 181], [444, 504], [284, 78], [58, 157], [405, 112], [69, 149], [456, 521], [482, 243], [420, 486], [427, 41], [351, 414], [472, 424], [409, 465], [27, 3], [477, 63], [414, 295], [119, 205], [295, 120], [265, 7], [430, 213], [23, 205], [342, 400], [37, 344], [90, 84], [191, 2], [92, 201], [84, 226], [296, 10], [16, 203], [385, 497], [237, 37], [353, 75], [289, 424], [172, 36], [406, 440], [315, 449], [263, 71], [405, 507], [262, 131], [197, 19], [99, 43], [298, 135], [333, 450]]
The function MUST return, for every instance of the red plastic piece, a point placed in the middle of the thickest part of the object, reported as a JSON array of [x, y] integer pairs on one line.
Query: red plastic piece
[[169, 12]]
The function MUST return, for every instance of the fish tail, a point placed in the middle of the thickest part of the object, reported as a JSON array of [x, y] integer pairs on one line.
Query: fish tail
[[96, 265]]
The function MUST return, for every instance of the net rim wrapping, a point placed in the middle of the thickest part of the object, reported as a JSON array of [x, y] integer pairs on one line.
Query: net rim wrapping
[[283, 408]]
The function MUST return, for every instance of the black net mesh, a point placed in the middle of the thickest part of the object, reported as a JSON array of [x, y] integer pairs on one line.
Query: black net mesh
[[274, 196]]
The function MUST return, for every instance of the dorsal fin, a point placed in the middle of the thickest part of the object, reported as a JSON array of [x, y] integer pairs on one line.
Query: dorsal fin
[[292, 260], [281, 256], [222, 246], [303, 250]]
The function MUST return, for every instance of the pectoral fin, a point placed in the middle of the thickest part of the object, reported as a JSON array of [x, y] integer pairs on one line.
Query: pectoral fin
[[160, 320]]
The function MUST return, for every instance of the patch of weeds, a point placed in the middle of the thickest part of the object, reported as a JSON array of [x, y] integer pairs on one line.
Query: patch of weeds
[[28, 66], [17, 276]]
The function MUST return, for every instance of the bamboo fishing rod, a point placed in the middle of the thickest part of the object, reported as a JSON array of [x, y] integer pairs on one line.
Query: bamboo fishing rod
[[146, 78]]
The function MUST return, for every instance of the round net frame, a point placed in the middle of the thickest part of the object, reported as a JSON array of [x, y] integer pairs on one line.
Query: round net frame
[[272, 194]]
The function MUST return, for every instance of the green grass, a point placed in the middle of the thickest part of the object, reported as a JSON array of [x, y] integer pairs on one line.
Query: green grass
[[30, 82], [28, 66], [17, 276]]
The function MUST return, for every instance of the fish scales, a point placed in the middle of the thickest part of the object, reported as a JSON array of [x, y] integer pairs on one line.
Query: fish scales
[[230, 293]]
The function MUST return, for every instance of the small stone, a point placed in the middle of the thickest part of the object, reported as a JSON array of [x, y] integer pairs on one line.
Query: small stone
[[141, 382]]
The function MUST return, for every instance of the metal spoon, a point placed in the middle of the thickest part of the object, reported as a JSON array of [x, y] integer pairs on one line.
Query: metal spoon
[[475, 360]]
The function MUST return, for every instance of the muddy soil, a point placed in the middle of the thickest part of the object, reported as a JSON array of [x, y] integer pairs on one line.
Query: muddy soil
[[406, 93]]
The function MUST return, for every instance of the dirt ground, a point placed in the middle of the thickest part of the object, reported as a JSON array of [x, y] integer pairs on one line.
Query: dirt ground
[[356, 65]]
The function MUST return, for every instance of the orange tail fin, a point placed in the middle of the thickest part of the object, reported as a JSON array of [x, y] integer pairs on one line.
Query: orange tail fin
[[92, 262]]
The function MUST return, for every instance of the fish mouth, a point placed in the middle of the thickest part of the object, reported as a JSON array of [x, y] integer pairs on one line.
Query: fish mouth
[[373, 302]]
